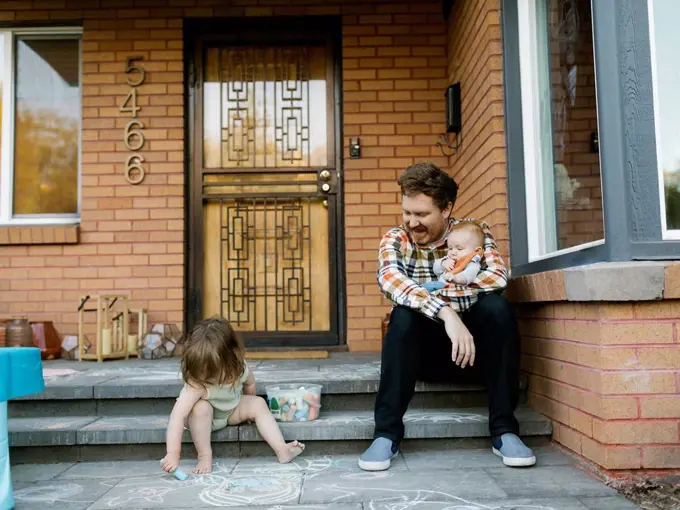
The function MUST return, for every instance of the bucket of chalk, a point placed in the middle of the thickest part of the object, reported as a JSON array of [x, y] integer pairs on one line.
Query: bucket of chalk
[[294, 402]]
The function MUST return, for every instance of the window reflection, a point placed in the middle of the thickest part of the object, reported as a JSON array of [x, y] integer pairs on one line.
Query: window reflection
[[47, 123], [265, 107], [664, 15]]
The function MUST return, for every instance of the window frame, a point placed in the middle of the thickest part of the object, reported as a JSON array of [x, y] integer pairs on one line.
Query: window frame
[[7, 133], [627, 140]]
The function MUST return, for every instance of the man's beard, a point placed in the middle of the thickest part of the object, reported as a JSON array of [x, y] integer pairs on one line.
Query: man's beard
[[418, 231]]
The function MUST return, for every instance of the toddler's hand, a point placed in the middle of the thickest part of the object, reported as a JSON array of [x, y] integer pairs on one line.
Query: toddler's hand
[[448, 264], [170, 462]]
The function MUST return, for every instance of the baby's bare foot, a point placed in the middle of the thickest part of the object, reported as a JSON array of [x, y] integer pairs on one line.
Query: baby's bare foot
[[204, 465], [291, 451]]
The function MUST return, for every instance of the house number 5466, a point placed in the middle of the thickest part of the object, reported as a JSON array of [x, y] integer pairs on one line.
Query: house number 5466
[[133, 136]]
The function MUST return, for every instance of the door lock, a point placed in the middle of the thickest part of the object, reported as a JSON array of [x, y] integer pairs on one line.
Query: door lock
[[325, 175], [325, 187]]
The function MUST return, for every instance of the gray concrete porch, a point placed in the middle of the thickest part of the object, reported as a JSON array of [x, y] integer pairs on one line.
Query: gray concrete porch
[[92, 440]]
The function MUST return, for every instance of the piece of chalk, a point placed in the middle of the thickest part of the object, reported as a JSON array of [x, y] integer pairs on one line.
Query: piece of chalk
[[178, 473]]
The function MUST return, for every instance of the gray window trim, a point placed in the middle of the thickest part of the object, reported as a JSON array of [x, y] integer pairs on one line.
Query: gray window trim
[[626, 134]]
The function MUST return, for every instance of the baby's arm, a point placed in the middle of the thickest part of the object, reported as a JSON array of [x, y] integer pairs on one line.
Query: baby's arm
[[180, 412], [439, 266], [249, 385], [469, 274]]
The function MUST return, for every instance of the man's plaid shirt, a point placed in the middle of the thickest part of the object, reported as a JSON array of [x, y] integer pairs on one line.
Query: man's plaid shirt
[[404, 266]]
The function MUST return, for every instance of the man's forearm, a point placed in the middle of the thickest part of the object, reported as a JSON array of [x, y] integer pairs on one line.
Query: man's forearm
[[447, 313]]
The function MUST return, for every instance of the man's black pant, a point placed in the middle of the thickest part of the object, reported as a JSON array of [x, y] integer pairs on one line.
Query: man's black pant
[[417, 348]]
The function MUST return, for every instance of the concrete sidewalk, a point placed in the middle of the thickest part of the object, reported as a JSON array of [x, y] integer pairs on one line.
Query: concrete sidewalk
[[465, 479]]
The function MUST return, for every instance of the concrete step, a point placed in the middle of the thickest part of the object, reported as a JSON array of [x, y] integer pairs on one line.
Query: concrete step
[[140, 387], [135, 437], [425, 398]]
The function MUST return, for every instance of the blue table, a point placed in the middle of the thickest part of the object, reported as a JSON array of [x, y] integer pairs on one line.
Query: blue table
[[20, 375]]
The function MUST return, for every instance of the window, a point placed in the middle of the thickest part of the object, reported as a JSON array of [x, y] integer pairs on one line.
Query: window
[[40, 124], [560, 127], [664, 43]]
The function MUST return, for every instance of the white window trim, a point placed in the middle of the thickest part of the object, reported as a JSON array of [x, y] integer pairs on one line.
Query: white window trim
[[7, 134], [666, 233], [539, 186]]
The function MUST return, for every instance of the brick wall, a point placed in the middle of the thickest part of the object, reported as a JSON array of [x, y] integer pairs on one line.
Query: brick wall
[[132, 237], [475, 59], [608, 374]]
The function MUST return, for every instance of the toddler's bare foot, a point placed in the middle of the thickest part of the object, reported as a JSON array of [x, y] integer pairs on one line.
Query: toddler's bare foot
[[292, 450], [204, 465]]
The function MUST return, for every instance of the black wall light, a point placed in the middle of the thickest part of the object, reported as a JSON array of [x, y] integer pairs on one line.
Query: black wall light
[[454, 121]]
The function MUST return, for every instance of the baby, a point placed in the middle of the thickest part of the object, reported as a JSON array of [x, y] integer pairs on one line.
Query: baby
[[461, 264], [219, 390]]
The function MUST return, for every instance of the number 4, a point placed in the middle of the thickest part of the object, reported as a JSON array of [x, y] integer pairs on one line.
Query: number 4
[[130, 98]]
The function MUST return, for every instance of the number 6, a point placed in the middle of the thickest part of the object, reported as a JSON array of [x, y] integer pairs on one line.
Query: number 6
[[129, 133], [130, 69], [130, 167]]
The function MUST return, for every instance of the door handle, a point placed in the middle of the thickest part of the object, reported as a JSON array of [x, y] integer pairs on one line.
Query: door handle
[[325, 175]]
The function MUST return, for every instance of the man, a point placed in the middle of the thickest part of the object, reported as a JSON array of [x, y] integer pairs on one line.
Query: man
[[456, 333]]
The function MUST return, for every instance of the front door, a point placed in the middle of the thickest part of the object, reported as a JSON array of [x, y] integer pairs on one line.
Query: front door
[[265, 181]]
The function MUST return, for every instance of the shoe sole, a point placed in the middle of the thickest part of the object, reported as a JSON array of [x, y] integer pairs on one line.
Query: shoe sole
[[515, 461], [383, 465]]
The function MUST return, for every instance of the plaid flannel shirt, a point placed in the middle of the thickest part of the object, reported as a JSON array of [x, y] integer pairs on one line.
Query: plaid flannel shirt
[[404, 266]]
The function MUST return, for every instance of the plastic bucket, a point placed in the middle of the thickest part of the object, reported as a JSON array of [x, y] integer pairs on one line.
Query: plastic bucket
[[294, 402]]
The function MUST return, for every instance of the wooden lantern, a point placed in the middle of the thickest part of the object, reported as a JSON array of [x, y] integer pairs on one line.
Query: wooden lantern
[[111, 335], [134, 339]]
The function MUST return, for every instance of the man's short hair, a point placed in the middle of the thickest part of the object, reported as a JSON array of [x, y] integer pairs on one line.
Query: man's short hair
[[428, 179]]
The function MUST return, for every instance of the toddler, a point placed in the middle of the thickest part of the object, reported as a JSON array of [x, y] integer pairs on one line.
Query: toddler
[[219, 390], [461, 264]]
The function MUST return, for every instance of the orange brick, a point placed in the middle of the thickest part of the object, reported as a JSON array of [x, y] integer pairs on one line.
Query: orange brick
[[626, 383], [567, 437], [657, 309], [660, 407], [632, 333], [608, 408], [672, 281], [661, 457], [635, 432], [611, 457]]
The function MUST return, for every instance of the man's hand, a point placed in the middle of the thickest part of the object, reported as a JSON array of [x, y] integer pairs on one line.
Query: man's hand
[[462, 344]]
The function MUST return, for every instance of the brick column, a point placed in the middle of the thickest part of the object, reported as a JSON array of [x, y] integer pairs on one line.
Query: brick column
[[606, 372]]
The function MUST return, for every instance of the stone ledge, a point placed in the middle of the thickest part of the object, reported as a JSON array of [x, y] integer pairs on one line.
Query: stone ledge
[[39, 234], [604, 281]]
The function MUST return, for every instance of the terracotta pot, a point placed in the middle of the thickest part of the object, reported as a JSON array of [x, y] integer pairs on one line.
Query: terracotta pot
[[3, 333], [385, 323], [47, 339], [19, 333]]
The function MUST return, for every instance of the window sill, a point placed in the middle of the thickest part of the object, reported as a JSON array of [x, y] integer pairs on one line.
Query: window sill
[[39, 234], [605, 281]]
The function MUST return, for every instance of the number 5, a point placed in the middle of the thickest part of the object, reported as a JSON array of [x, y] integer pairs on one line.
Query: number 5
[[129, 68]]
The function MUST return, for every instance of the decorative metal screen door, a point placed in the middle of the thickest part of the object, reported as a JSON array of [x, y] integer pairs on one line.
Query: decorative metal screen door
[[266, 156]]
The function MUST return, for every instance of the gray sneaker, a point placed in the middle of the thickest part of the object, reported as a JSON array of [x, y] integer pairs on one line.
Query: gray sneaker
[[513, 451], [379, 455]]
